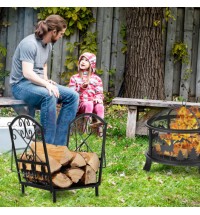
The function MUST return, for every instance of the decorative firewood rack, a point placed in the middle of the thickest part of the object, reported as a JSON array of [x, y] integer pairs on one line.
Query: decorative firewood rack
[[86, 133]]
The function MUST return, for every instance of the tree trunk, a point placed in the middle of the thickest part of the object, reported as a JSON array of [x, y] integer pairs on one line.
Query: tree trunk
[[144, 76]]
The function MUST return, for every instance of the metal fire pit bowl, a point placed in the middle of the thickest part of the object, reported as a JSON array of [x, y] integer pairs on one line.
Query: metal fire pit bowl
[[174, 137]]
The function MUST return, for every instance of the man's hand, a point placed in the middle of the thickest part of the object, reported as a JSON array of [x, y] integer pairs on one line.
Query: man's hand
[[52, 88], [52, 82]]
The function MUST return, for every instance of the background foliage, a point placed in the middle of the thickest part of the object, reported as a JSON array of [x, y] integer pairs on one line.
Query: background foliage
[[76, 17]]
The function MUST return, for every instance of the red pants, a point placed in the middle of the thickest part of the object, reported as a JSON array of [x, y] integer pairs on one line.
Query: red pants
[[91, 107]]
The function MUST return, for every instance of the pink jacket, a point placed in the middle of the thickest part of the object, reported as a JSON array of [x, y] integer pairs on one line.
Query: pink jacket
[[93, 91]]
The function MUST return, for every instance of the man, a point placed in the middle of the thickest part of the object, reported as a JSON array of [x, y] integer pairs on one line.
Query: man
[[29, 81]]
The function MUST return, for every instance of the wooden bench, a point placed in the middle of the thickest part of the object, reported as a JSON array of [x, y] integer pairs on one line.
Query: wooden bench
[[135, 106], [19, 106]]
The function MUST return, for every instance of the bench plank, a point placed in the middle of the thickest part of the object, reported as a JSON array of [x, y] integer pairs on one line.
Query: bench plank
[[9, 102], [19, 106], [151, 103], [134, 105]]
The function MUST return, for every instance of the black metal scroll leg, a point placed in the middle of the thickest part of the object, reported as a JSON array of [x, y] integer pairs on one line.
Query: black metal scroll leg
[[104, 159], [97, 191], [12, 154], [54, 196], [147, 165], [23, 189]]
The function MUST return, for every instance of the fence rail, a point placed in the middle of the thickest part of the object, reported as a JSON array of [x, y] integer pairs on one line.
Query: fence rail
[[109, 21]]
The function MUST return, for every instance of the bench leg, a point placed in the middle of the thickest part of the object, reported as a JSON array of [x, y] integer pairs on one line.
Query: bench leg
[[131, 121], [20, 109], [24, 110]]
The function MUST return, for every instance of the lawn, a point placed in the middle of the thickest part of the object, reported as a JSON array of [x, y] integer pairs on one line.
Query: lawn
[[124, 182]]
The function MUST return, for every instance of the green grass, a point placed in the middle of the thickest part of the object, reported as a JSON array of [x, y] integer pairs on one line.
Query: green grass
[[124, 182]]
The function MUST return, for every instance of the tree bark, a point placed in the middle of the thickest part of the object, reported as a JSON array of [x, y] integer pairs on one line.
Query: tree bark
[[144, 76]]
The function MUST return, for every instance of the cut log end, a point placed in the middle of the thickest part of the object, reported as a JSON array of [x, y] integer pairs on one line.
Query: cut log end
[[75, 174], [61, 180], [89, 176], [91, 159], [78, 160]]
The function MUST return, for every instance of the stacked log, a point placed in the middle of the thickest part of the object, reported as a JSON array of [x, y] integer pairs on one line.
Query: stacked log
[[66, 167]]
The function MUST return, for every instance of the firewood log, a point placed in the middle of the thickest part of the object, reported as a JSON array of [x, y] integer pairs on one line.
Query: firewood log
[[36, 176], [74, 173], [77, 160], [91, 159], [54, 164], [60, 153], [37, 167], [20, 165], [89, 176], [61, 180]]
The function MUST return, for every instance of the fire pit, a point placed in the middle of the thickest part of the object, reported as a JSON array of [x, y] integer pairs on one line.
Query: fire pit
[[174, 137]]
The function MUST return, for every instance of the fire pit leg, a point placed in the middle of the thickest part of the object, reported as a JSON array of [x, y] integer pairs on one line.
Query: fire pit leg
[[147, 165], [97, 191]]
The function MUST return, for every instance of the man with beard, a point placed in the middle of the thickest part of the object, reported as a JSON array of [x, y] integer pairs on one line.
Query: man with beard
[[29, 81]]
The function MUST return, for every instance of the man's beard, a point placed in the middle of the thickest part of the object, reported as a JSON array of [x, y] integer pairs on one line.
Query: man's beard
[[53, 40]]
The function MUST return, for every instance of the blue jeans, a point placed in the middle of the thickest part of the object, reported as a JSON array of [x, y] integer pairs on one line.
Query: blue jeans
[[55, 129]]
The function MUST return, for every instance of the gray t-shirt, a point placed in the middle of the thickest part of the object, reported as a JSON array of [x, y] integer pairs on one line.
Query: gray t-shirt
[[29, 50]]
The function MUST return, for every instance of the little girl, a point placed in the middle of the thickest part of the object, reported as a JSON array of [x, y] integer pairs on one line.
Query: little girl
[[88, 85]]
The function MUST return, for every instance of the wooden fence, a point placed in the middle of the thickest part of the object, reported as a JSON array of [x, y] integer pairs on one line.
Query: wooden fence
[[184, 28], [108, 24], [109, 21]]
